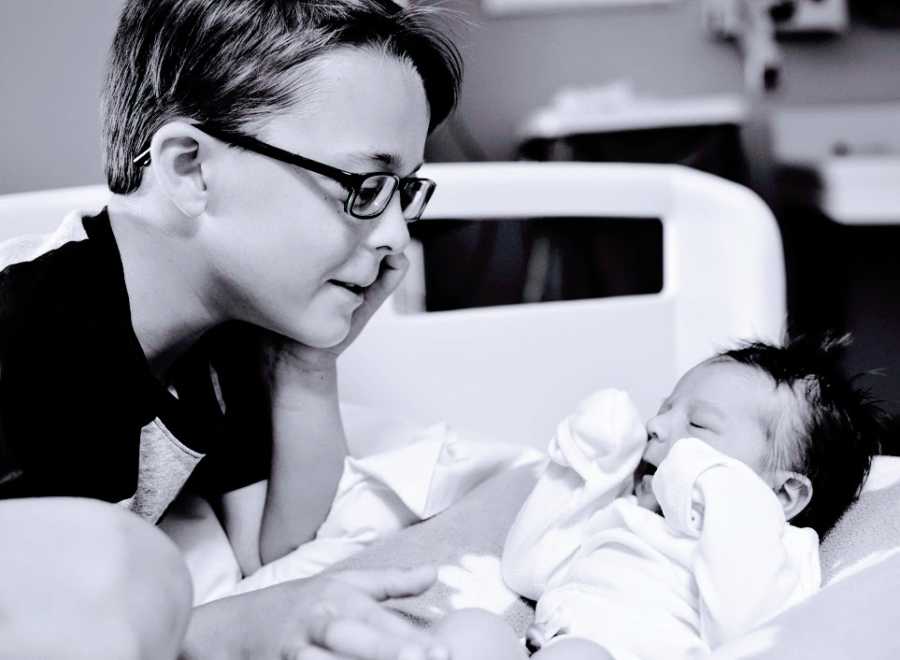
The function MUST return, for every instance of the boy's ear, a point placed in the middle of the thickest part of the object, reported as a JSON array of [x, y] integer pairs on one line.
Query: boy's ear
[[177, 158], [793, 490]]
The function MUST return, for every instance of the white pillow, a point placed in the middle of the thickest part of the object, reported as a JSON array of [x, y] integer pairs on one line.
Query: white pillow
[[870, 531]]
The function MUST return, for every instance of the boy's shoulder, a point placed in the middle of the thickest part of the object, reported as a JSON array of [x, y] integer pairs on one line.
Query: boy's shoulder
[[75, 388], [27, 249], [46, 278], [64, 309]]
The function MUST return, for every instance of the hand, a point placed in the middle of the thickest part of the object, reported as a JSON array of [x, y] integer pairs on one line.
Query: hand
[[606, 420], [348, 621], [336, 617], [601, 434], [284, 352]]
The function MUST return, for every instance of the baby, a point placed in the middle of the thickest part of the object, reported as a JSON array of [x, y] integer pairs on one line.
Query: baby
[[667, 541]]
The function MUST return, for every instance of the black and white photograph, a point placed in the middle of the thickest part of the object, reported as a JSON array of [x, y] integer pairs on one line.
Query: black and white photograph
[[449, 329]]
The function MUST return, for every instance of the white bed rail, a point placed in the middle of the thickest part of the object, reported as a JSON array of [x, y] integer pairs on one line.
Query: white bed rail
[[513, 371]]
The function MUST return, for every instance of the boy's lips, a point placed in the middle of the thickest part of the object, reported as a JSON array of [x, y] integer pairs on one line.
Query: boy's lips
[[352, 288], [357, 283]]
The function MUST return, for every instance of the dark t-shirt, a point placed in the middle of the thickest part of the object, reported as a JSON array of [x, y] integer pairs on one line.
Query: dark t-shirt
[[81, 414]]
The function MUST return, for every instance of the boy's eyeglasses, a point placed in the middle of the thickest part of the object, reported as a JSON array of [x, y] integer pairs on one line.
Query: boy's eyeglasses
[[368, 194]]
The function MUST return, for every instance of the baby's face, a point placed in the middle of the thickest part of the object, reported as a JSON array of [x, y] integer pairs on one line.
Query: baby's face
[[723, 403]]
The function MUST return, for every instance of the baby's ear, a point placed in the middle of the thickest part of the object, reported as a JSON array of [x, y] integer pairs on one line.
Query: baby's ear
[[793, 490]]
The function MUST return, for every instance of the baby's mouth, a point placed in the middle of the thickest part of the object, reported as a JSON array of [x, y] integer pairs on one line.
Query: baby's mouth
[[643, 486], [644, 469]]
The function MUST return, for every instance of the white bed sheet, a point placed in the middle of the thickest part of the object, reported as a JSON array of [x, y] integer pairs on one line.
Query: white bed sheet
[[406, 473]]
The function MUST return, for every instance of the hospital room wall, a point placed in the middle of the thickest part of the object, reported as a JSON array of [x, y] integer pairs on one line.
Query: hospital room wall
[[514, 64], [52, 54]]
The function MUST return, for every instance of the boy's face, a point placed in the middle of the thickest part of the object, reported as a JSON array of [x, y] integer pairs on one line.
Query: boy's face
[[723, 403], [278, 238]]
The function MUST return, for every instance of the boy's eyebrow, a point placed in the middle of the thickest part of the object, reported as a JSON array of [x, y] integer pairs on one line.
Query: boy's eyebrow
[[389, 161]]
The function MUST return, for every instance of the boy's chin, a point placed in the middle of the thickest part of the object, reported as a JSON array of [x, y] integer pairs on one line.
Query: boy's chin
[[326, 334]]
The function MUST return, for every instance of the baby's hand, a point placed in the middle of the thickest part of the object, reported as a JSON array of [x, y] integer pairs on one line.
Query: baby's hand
[[606, 420], [602, 438]]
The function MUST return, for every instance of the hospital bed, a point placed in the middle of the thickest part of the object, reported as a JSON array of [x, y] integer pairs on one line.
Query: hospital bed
[[508, 374]]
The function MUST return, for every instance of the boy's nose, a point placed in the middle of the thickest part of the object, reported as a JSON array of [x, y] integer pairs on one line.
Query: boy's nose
[[390, 232]]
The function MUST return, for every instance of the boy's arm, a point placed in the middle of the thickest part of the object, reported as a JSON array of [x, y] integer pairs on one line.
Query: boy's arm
[[308, 443], [744, 569], [308, 452], [268, 519], [592, 458]]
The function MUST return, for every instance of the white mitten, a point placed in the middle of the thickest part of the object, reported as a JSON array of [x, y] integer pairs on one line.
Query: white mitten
[[603, 433]]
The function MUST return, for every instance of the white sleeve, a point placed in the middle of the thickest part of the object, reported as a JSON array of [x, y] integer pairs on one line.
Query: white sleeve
[[750, 564], [592, 459]]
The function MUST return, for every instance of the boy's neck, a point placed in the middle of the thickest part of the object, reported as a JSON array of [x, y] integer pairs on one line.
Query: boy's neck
[[169, 288]]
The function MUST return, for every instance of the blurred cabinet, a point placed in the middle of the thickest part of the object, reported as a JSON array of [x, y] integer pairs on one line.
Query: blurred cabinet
[[538, 259], [702, 133], [838, 204]]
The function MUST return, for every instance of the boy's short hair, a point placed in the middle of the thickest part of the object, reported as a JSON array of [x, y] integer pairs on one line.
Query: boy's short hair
[[229, 62], [834, 429]]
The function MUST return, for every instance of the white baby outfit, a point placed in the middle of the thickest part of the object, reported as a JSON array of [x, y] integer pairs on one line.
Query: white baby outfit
[[718, 562]]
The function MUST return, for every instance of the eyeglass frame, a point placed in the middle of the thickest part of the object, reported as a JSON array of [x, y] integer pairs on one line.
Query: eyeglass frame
[[351, 181]]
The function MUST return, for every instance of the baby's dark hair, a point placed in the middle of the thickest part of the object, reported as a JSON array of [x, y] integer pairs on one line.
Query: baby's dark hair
[[836, 428]]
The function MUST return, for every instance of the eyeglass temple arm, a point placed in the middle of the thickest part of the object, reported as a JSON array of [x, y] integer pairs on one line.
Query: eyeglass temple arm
[[252, 144]]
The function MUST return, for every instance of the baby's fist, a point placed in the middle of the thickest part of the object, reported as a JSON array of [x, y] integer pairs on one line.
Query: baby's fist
[[608, 418], [603, 426]]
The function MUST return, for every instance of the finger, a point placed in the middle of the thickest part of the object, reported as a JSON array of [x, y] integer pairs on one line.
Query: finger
[[384, 620], [307, 652], [357, 639], [389, 278], [381, 618], [393, 270], [387, 583], [397, 261], [357, 606]]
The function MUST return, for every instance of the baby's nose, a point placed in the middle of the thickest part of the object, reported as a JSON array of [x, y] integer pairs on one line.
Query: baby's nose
[[655, 428]]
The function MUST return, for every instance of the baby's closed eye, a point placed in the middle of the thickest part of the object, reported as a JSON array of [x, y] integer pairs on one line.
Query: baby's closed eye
[[703, 424]]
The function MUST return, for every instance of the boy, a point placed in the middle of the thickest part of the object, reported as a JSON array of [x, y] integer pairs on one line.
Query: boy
[[262, 156], [670, 540]]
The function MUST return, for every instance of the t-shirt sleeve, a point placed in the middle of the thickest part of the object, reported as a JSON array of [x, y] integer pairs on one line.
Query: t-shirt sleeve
[[225, 378], [10, 468]]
